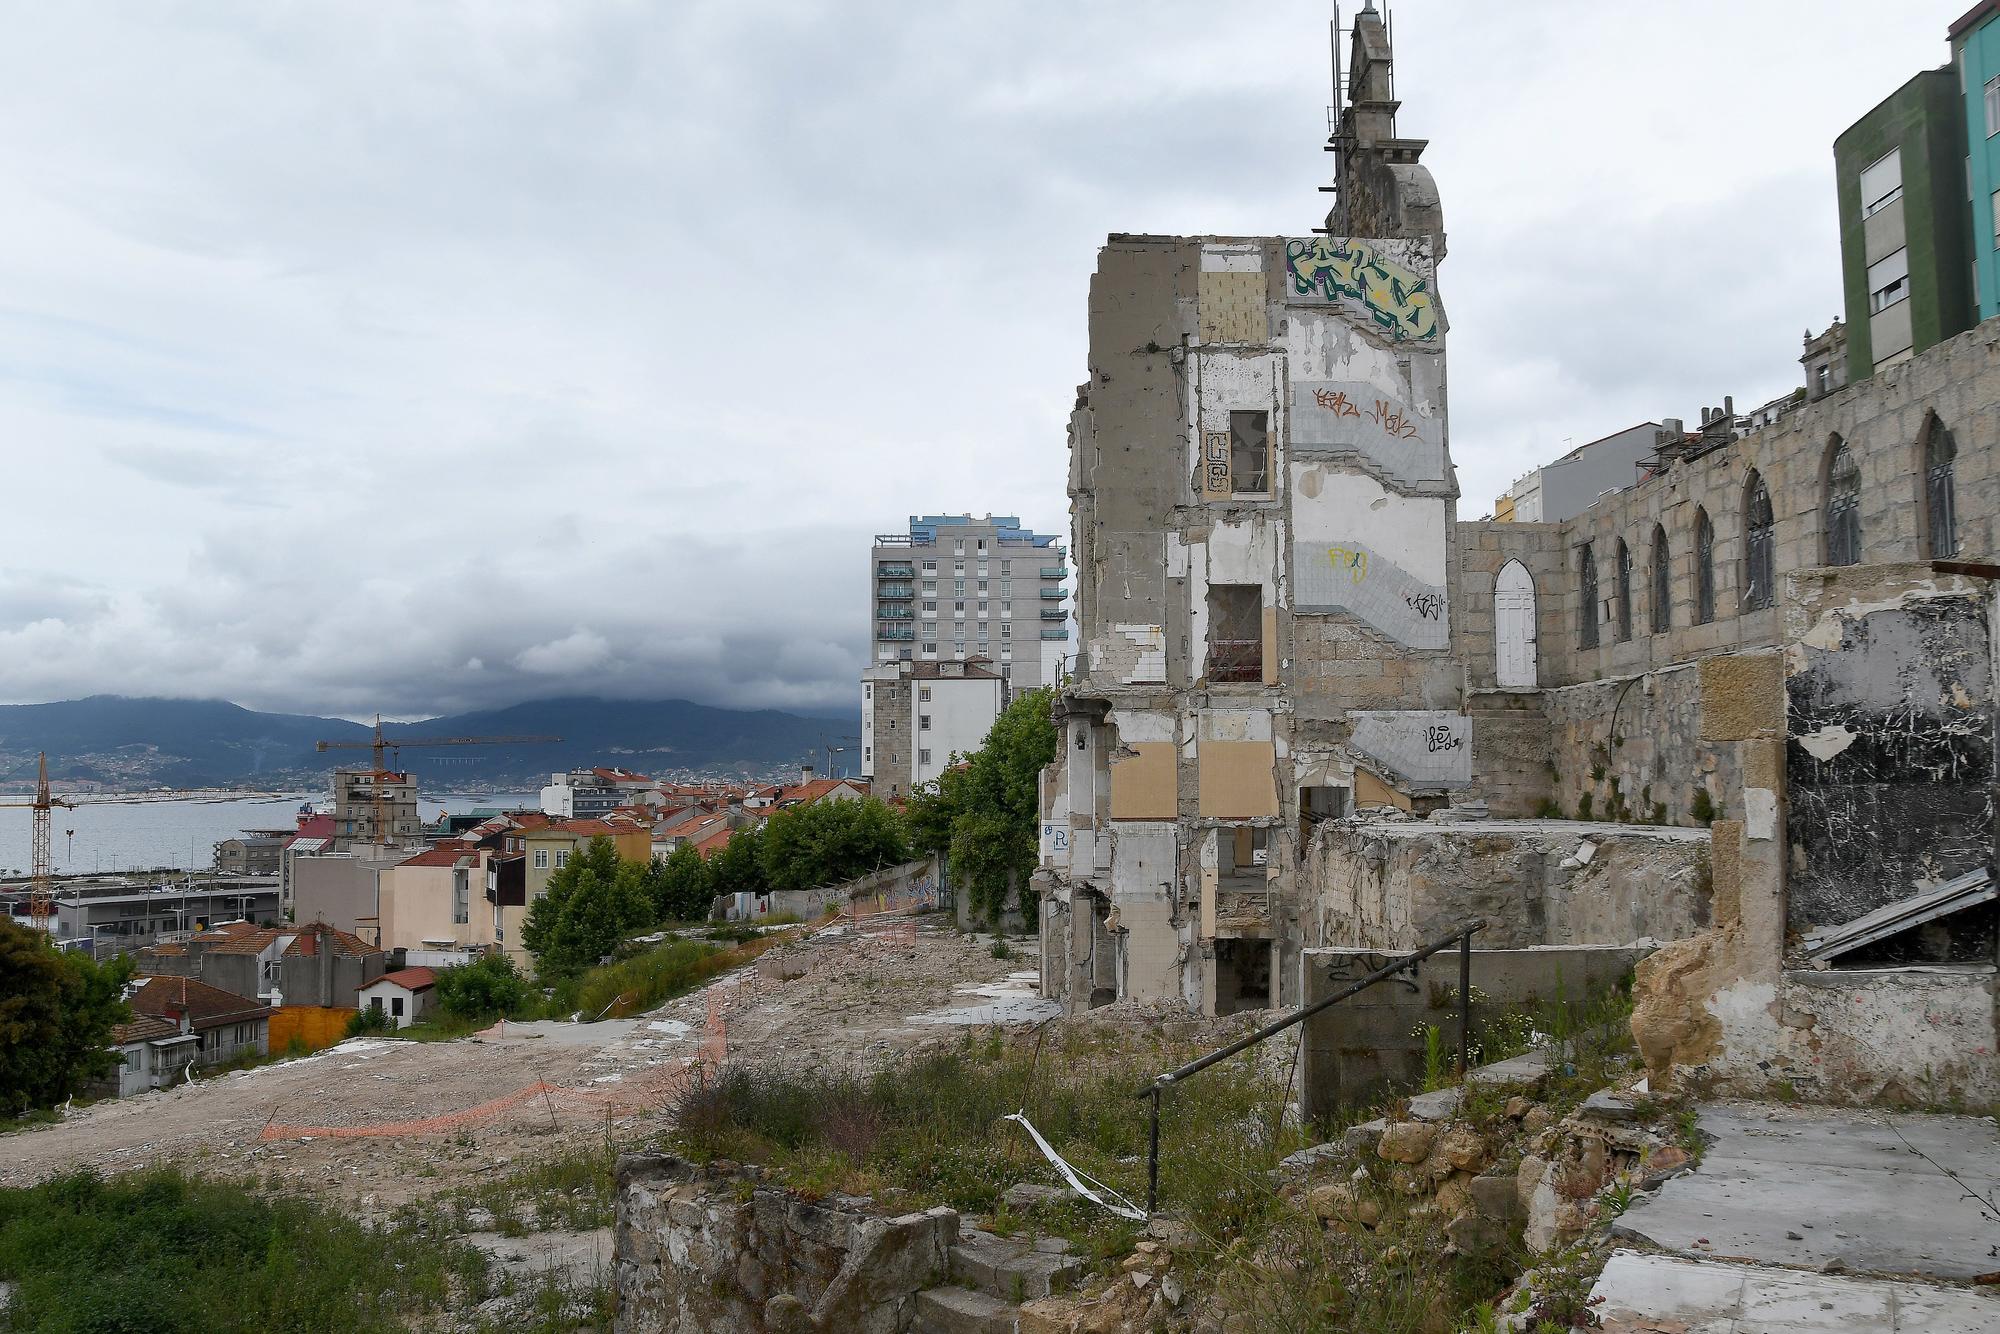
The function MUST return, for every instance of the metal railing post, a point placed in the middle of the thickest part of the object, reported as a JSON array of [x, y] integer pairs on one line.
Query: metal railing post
[[1153, 1157], [1464, 1003]]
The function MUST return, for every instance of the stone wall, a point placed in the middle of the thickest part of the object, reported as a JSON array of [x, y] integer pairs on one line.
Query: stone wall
[[1635, 748], [1393, 885], [1352, 1050], [713, 1250], [1884, 421]]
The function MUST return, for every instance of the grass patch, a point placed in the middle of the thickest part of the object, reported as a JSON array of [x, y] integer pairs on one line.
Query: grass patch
[[162, 1251], [635, 985], [572, 1192]]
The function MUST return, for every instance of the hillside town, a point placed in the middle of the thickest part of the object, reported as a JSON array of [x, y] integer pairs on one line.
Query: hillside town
[[1279, 902]]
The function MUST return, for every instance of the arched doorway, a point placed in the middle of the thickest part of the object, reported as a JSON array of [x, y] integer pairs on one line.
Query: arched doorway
[[1514, 627]]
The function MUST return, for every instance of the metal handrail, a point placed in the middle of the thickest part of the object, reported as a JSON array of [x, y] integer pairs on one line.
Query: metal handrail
[[1463, 935]]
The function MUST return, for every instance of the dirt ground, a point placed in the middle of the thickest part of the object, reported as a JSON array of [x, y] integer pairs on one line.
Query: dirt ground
[[373, 1123]]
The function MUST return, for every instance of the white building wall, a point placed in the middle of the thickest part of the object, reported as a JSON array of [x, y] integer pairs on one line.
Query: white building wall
[[961, 712]]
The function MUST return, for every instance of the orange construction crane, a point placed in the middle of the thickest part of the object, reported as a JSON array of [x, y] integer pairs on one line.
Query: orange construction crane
[[380, 744]]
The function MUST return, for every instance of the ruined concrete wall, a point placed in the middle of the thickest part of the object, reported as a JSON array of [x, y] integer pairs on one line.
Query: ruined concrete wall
[[1903, 1037], [713, 1250], [1352, 1051], [1635, 748], [1889, 750], [1393, 885], [1883, 421]]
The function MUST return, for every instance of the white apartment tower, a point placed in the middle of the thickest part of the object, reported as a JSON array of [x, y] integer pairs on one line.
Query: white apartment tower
[[955, 588]]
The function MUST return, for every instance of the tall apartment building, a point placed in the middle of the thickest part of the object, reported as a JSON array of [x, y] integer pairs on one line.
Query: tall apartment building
[[1906, 259], [373, 806], [955, 587], [1975, 52], [916, 715]]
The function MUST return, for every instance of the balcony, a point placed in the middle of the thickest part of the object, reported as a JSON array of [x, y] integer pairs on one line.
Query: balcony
[[896, 591], [895, 633], [1052, 595], [891, 612], [1053, 613], [887, 571], [1055, 572], [1055, 634]]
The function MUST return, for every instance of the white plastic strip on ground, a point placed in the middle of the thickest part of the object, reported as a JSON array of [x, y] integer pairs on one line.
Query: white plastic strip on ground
[[1123, 1208]]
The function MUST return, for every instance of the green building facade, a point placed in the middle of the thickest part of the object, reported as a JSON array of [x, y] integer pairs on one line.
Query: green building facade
[[1975, 54], [1906, 259]]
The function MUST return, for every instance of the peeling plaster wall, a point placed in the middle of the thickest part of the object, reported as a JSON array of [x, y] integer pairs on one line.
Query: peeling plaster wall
[[1426, 748], [1889, 757], [1907, 1037]]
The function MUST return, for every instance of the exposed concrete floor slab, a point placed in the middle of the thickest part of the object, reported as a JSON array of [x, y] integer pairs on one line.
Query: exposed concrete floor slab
[[1808, 1186], [1641, 1293]]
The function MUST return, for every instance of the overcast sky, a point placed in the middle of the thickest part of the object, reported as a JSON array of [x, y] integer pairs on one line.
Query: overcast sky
[[427, 356]]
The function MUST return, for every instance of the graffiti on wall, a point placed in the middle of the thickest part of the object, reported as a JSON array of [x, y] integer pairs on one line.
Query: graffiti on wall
[[1425, 747], [1330, 269], [1350, 577], [1215, 479], [1345, 417]]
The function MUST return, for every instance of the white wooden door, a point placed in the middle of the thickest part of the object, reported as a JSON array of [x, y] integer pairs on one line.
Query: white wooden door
[[1514, 627]]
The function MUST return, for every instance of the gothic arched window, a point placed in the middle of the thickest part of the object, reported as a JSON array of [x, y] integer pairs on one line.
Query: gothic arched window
[[1759, 569], [1843, 505], [1663, 606], [1704, 568], [1940, 499], [1586, 612], [1624, 591]]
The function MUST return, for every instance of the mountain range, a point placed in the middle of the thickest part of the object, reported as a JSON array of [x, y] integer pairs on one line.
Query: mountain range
[[143, 743]]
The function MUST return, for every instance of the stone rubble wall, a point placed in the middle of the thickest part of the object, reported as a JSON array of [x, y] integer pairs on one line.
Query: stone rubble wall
[[711, 1249]]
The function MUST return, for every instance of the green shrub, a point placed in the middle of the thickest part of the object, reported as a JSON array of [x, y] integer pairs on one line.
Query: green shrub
[[1702, 808], [160, 1251], [368, 1019], [633, 985], [486, 989]]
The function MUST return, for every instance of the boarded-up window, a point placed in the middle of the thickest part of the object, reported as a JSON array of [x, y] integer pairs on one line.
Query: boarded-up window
[[1235, 632]]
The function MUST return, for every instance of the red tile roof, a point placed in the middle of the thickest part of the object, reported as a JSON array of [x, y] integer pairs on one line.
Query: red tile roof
[[409, 979], [620, 776], [315, 826], [146, 1028], [340, 942], [206, 1006], [445, 852]]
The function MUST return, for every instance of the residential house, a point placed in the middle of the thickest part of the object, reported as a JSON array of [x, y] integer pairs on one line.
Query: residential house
[[426, 903], [404, 995], [226, 1024], [153, 1053]]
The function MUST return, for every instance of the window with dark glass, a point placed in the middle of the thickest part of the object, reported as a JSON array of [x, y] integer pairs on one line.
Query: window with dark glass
[[1586, 611], [1624, 591], [1704, 568], [1663, 605], [1759, 569], [1250, 453], [1843, 505], [1940, 500]]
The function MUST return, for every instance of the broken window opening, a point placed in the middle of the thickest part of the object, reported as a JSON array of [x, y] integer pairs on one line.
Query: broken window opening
[[1318, 803], [1663, 606], [1624, 591], [1586, 612], [1250, 453], [1956, 922], [1242, 975], [1235, 632], [1843, 505], [1242, 856], [1704, 568], [1940, 498], [1759, 572]]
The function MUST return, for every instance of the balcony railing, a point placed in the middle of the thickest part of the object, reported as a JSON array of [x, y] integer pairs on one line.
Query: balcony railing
[[1055, 634], [890, 612], [1055, 572], [887, 571], [1053, 613], [1236, 660], [896, 632], [896, 591], [1052, 595]]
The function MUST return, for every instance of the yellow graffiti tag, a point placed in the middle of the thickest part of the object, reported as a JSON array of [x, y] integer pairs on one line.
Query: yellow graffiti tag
[[1351, 559], [1333, 267]]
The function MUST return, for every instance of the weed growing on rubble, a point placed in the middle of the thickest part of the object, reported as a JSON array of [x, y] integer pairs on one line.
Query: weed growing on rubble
[[570, 1192], [163, 1251]]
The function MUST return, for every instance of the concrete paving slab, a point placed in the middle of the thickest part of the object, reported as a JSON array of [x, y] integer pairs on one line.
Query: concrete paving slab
[[1807, 1187], [1642, 1293]]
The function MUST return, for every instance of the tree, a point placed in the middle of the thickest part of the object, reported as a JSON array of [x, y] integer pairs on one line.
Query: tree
[[827, 842], [679, 885], [990, 805], [738, 867], [588, 908], [57, 1009], [487, 988]]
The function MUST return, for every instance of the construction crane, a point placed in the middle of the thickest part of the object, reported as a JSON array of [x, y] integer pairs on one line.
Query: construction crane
[[379, 746], [41, 893]]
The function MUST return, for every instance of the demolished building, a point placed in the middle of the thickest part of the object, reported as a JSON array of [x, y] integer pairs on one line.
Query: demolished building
[[1758, 680]]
